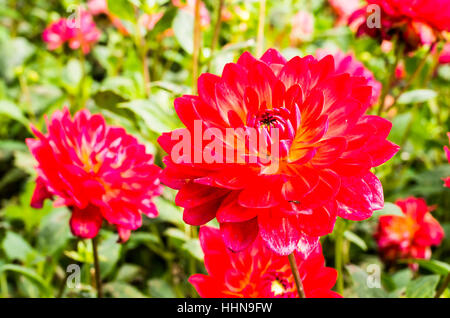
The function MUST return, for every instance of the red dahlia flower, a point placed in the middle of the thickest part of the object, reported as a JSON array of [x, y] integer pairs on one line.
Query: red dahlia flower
[[99, 171], [258, 272], [447, 151], [409, 235], [347, 63], [418, 22], [320, 159]]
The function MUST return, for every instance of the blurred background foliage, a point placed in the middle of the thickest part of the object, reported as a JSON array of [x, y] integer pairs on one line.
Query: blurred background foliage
[[36, 246]]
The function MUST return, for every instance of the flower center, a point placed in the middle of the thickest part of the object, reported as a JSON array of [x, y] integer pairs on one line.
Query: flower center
[[277, 287]]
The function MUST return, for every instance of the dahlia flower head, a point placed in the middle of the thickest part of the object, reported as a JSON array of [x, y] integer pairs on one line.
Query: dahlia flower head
[[257, 272], [344, 9], [447, 152], [80, 33], [98, 171], [302, 27], [348, 63], [417, 23], [410, 235], [320, 159]]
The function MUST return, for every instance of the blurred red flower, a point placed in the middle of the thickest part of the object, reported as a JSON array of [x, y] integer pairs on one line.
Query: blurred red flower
[[417, 23], [80, 33], [326, 148], [409, 235], [344, 9], [56, 34], [258, 272], [97, 7], [444, 58], [99, 171], [348, 63], [447, 151]]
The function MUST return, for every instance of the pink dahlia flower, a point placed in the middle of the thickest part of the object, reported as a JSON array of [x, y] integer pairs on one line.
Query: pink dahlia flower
[[98, 171], [258, 272], [84, 35], [316, 147], [344, 9], [417, 23], [80, 33], [56, 34], [347, 63], [302, 27]]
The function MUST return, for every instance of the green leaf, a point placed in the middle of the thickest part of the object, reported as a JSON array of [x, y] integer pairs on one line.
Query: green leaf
[[417, 96], [11, 110], [434, 266], [30, 274], [54, 231], [194, 249], [122, 290], [16, 248], [361, 287], [402, 278], [159, 288], [389, 209], [123, 9], [169, 212], [128, 273], [109, 254], [155, 118], [355, 239], [183, 27], [422, 287]]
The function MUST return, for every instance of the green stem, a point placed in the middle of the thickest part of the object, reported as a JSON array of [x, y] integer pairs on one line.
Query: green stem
[[338, 255], [443, 287], [197, 46], [141, 45], [217, 26], [261, 25], [413, 77], [296, 274], [82, 100], [4, 286], [98, 279], [388, 86]]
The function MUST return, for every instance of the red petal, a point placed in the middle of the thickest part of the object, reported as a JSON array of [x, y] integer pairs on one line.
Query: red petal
[[231, 211], [239, 236], [201, 214], [280, 233], [40, 194], [86, 223]]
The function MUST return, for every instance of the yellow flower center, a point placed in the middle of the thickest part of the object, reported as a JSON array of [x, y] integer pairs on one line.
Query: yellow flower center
[[277, 288]]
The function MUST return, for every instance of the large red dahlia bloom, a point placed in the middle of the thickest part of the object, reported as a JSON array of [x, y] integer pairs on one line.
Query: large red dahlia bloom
[[348, 63], [447, 151], [99, 171], [320, 164], [409, 235], [418, 22], [258, 272]]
